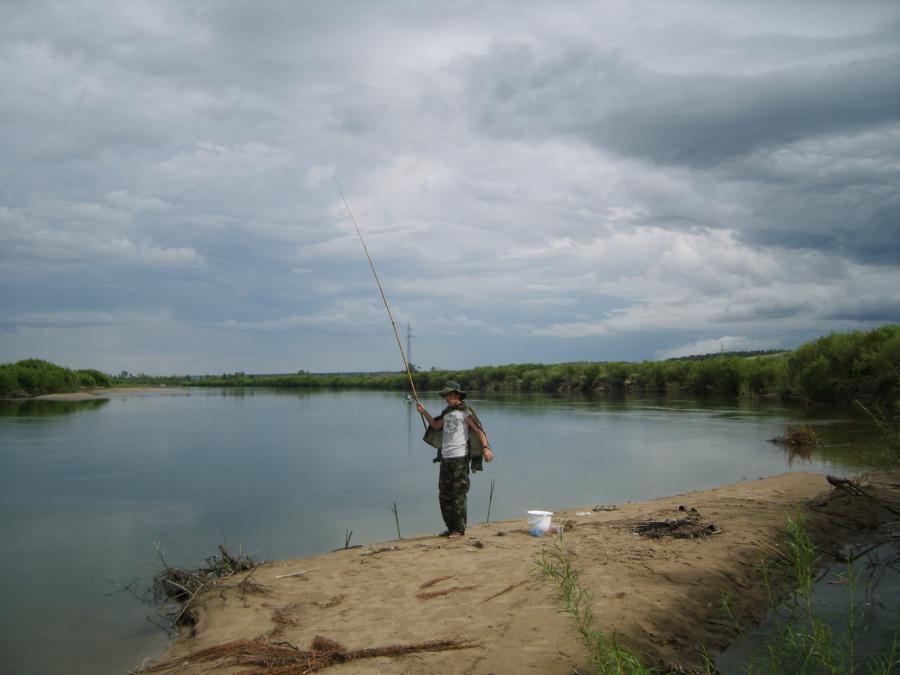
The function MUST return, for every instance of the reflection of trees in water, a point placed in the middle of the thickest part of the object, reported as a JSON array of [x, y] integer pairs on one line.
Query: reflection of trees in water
[[33, 408], [853, 455]]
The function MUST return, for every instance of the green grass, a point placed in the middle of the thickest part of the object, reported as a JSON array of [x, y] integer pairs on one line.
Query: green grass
[[608, 656]]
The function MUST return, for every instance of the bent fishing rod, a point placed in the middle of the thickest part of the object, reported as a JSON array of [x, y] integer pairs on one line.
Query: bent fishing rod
[[412, 384]]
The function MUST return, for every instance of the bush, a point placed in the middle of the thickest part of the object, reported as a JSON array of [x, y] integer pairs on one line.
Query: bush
[[34, 377]]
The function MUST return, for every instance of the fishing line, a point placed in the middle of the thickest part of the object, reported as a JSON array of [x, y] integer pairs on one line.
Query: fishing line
[[412, 384]]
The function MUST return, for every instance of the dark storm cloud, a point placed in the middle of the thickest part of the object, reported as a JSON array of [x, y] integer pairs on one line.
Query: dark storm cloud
[[696, 120], [806, 154]]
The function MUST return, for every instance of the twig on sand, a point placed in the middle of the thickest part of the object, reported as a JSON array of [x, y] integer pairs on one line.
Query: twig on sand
[[446, 591], [781, 553], [490, 501], [505, 590], [271, 658], [298, 573], [434, 581], [396, 520]]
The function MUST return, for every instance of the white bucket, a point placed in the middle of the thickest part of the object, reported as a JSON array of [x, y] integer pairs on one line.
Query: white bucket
[[539, 520]]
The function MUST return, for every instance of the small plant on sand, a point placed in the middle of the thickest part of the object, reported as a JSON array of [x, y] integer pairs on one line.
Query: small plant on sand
[[606, 653], [727, 598]]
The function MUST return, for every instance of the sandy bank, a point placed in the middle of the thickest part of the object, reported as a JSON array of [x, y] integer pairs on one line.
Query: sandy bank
[[662, 596], [74, 396], [103, 393], [141, 390]]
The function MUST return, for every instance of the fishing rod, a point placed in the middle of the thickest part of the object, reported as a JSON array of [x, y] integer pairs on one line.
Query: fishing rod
[[412, 384]]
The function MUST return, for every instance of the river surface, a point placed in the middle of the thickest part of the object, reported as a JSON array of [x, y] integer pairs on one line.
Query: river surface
[[89, 490]]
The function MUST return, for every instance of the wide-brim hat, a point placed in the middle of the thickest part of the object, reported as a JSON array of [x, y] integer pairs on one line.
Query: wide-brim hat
[[451, 386]]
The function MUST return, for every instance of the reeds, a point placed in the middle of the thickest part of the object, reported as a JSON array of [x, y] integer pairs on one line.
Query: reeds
[[802, 640], [609, 657]]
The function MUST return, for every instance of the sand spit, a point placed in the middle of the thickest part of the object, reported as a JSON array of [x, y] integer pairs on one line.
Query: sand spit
[[74, 396], [661, 595]]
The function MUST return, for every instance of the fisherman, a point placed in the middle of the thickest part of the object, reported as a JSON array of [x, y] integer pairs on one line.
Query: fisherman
[[462, 442]]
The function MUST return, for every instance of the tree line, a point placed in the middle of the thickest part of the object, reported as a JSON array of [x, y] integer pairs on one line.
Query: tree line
[[841, 367], [34, 377]]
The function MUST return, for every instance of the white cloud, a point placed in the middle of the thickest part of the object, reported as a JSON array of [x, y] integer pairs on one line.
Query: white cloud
[[725, 343]]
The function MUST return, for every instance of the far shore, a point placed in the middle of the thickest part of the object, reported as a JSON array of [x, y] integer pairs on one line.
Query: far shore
[[662, 596]]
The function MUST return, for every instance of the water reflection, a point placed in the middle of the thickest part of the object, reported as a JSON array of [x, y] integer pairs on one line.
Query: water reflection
[[44, 408]]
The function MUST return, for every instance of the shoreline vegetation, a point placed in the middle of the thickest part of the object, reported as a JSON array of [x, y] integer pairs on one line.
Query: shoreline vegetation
[[838, 368]]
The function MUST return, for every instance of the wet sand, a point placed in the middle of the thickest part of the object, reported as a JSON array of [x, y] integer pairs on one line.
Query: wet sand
[[661, 596]]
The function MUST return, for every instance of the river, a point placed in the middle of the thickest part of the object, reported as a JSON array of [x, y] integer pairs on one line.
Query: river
[[89, 491]]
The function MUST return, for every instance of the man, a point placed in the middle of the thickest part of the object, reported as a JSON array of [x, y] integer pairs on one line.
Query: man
[[462, 441]]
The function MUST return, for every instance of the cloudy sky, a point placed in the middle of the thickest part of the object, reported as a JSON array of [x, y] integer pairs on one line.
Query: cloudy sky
[[536, 181]]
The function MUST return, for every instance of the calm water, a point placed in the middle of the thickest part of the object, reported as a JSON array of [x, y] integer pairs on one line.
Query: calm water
[[86, 489]]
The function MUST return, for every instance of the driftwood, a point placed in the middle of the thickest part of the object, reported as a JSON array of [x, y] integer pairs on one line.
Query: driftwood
[[284, 659], [183, 586], [854, 489]]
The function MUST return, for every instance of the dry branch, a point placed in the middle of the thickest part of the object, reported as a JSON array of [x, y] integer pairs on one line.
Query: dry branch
[[183, 586], [283, 659], [854, 489]]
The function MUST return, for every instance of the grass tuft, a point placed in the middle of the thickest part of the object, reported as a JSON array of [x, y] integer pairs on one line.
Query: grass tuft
[[607, 655]]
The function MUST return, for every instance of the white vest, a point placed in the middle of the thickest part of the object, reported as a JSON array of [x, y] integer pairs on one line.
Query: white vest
[[456, 434]]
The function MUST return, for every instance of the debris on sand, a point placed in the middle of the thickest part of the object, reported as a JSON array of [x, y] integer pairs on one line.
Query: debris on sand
[[281, 658], [333, 601], [183, 586], [689, 527], [605, 507]]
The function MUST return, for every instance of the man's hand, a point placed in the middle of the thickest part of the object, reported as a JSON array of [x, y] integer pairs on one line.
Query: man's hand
[[420, 408], [488, 455]]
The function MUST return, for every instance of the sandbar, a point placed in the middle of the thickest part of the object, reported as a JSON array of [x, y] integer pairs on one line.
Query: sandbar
[[662, 597]]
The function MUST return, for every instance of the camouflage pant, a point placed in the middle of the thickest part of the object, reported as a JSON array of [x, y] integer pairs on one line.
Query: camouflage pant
[[453, 485]]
